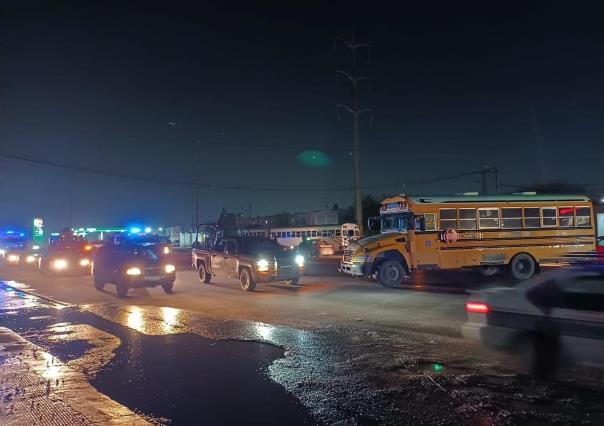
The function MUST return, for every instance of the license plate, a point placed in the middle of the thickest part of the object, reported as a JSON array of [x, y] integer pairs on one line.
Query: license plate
[[153, 278]]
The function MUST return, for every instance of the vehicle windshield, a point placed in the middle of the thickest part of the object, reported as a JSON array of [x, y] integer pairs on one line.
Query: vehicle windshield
[[394, 222], [262, 246], [151, 252], [145, 239]]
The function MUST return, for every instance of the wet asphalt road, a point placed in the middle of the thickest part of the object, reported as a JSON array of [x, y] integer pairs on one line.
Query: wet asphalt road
[[355, 353], [177, 377], [432, 303]]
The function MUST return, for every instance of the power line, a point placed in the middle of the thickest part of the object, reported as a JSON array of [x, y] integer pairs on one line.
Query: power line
[[168, 181]]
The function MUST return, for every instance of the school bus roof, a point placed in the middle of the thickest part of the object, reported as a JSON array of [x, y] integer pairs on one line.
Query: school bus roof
[[495, 198]]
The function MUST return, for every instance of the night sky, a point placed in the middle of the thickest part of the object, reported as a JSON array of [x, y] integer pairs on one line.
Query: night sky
[[131, 87]]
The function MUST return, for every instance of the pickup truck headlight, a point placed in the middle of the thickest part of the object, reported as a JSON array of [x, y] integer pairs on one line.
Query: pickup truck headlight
[[30, 259], [59, 264], [169, 269], [84, 262], [362, 258], [300, 261], [133, 271], [262, 265], [13, 258]]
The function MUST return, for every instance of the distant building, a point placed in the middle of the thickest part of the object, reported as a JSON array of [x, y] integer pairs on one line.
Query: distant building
[[333, 216]]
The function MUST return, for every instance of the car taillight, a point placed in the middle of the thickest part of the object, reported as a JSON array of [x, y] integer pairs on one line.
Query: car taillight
[[477, 308]]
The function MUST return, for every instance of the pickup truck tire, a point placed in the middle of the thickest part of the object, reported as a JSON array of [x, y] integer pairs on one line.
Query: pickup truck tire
[[45, 268], [391, 273], [121, 290], [168, 288], [204, 276], [295, 281], [99, 282], [246, 280]]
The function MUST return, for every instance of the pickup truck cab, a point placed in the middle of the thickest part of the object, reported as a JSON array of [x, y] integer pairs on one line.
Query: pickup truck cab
[[250, 259]]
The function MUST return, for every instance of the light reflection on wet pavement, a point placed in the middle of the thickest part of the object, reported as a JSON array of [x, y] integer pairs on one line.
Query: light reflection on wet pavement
[[149, 369], [179, 365]]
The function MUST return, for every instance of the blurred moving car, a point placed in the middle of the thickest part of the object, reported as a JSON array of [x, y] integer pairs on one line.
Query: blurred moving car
[[555, 317], [131, 261], [600, 245], [25, 256], [12, 243], [250, 259], [66, 257]]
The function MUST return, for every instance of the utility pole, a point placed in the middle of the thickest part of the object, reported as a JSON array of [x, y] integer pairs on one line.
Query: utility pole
[[70, 198], [198, 166], [484, 176], [355, 110]]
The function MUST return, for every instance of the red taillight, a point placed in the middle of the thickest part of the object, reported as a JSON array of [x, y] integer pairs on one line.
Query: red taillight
[[477, 308]]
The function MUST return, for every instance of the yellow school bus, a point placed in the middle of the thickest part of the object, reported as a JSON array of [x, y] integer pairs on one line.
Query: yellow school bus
[[512, 233]]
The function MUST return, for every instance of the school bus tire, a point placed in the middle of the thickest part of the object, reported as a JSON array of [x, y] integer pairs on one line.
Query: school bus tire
[[391, 273], [522, 266]]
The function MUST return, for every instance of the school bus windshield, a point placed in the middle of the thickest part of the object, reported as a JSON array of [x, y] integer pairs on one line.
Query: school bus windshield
[[395, 222]]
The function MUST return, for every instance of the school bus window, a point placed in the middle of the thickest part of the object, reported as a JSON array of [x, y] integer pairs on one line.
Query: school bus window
[[448, 219], [511, 218], [338, 233], [583, 216], [567, 216], [549, 217], [488, 218], [532, 218], [430, 221], [314, 233], [467, 219]]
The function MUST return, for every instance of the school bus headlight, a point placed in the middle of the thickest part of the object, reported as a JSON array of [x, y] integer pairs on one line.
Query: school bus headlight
[[362, 259], [262, 265], [300, 261]]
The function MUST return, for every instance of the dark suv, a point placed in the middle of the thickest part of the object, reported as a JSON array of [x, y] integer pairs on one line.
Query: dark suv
[[131, 261], [250, 259]]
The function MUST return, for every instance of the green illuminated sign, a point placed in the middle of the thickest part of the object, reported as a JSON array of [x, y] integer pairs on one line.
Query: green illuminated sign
[[38, 229]]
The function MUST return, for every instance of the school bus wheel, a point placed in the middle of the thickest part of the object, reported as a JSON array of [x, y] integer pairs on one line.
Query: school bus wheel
[[391, 273], [522, 266]]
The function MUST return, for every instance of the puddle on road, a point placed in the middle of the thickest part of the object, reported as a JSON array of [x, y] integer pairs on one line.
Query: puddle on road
[[180, 377]]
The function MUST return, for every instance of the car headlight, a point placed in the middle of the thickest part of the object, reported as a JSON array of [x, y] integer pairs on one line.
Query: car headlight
[[169, 268], [59, 264], [35, 248], [166, 250], [13, 258], [30, 259], [84, 262], [133, 271], [362, 259], [300, 261], [262, 265]]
